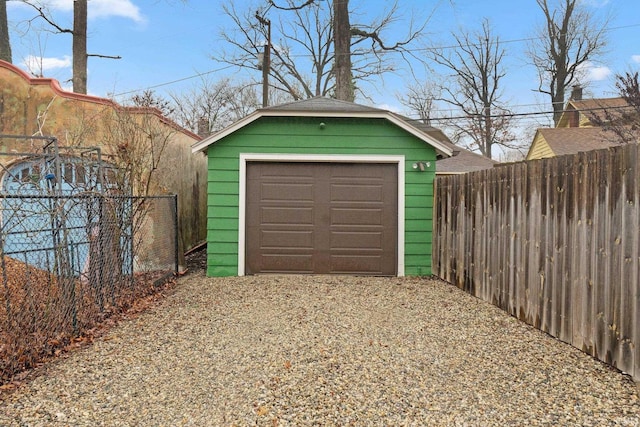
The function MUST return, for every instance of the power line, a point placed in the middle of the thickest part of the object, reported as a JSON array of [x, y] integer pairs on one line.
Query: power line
[[527, 39], [528, 114], [426, 49], [447, 47], [175, 81]]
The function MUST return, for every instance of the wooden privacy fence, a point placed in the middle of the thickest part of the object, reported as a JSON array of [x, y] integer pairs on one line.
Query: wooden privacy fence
[[555, 243]]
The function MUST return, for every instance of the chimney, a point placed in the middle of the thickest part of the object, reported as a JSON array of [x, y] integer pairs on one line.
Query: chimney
[[576, 93]]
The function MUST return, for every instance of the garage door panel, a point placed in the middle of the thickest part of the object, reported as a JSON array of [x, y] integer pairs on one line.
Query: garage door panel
[[357, 193], [294, 170], [288, 240], [356, 240], [359, 171], [321, 218], [362, 264], [286, 263], [274, 215], [264, 170], [278, 191], [356, 217]]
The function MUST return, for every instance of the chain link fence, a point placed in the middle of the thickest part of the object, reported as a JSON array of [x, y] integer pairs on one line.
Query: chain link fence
[[67, 262]]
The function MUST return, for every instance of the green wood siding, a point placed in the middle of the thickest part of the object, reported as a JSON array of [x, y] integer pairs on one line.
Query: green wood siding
[[269, 135]]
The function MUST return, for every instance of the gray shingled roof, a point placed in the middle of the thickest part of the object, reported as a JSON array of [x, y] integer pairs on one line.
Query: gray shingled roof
[[463, 161], [320, 103]]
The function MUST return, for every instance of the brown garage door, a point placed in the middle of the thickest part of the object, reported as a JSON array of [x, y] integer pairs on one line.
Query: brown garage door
[[321, 218]]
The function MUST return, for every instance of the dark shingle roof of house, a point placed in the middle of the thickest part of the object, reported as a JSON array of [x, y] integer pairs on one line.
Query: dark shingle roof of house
[[321, 103], [574, 140], [463, 161]]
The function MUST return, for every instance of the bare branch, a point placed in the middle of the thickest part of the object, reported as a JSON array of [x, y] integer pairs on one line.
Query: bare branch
[[623, 121], [290, 7], [45, 14], [569, 38], [211, 106], [374, 30], [304, 60], [103, 56], [477, 71], [421, 98]]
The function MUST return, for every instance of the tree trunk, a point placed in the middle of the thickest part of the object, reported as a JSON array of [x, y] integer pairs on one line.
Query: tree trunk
[[5, 45], [557, 99], [569, 38], [486, 148], [342, 43], [79, 78]]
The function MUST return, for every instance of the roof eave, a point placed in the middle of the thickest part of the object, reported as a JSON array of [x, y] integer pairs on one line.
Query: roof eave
[[440, 147]]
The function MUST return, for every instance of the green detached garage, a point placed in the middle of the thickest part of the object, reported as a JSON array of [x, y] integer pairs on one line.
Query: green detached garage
[[320, 187]]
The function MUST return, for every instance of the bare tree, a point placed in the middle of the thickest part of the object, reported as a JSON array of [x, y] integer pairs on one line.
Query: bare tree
[[623, 121], [210, 106], [298, 67], [569, 38], [79, 38], [477, 70], [308, 57], [135, 143], [421, 98], [148, 98], [5, 43]]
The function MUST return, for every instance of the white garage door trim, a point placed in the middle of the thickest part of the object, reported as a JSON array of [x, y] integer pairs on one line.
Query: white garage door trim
[[315, 158]]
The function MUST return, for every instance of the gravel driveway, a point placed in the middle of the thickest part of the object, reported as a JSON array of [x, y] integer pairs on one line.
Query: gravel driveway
[[320, 350]]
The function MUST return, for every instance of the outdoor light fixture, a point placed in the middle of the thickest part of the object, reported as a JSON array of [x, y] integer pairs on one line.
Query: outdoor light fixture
[[421, 165]]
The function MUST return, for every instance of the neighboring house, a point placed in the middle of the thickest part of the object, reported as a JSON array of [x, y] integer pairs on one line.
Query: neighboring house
[[583, 112], [321, 186], [553, 142], [39, 106], [462, 160], [576, 131]]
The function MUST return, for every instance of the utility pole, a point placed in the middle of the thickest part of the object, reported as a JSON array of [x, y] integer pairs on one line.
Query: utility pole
[[266, 61]]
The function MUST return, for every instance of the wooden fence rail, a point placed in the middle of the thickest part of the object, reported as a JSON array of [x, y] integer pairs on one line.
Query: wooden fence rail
[[555, 243]]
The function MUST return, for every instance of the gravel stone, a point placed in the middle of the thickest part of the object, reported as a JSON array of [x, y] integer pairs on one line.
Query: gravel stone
[[324, 350]]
